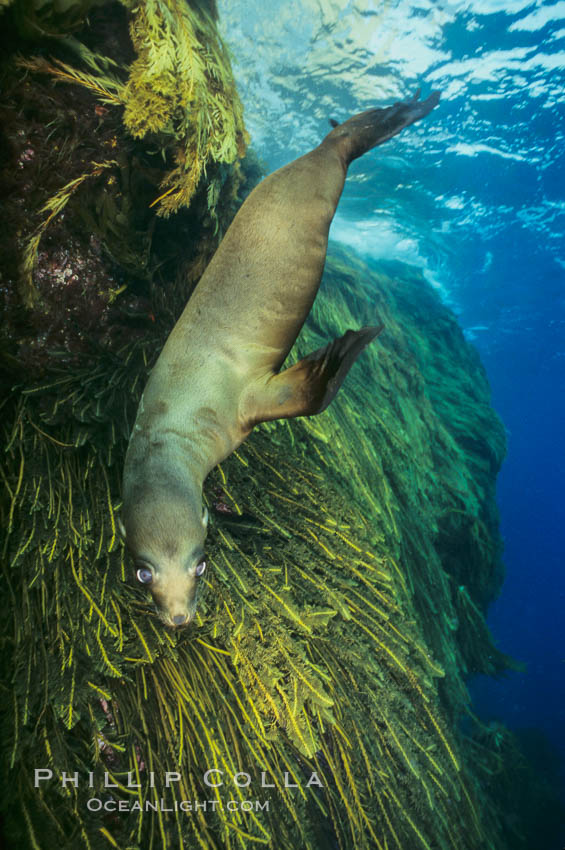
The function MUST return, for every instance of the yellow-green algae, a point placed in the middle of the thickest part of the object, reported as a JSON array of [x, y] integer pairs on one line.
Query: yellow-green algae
[[329, 619], [178, 94]]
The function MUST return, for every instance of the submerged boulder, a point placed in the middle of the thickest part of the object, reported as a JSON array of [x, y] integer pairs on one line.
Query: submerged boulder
[[318, 699]]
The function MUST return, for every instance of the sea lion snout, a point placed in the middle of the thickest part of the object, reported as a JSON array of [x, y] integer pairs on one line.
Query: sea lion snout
[[174, 584], [165, 537]]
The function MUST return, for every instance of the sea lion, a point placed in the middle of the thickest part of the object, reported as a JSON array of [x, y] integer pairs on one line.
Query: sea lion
[[219, 375]]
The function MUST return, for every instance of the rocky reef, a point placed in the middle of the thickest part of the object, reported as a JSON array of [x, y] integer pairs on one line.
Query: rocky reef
[[352, 555]]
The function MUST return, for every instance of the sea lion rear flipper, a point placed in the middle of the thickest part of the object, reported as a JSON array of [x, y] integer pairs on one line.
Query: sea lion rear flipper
[[310, 385], [371, 128]]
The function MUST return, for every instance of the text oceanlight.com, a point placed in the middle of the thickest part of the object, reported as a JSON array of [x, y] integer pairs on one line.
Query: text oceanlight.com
[[95, 804]]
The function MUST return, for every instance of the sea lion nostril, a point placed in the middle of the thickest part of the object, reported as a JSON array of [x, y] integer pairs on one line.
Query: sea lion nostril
[[180, 619]]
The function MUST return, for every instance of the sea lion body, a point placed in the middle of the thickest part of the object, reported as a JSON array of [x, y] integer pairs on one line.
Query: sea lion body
[[218, 373]]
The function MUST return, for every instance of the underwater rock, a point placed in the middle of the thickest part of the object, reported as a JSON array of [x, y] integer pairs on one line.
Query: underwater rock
[[351, 555]]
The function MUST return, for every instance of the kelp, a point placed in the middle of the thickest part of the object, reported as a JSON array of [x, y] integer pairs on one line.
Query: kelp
[[178, 95], [181, 85], [179, 90], [53, 207]]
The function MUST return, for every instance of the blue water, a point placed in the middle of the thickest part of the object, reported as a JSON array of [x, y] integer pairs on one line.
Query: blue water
[[475, 196]]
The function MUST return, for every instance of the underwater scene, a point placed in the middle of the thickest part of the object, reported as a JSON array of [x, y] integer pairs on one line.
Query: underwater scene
[[283, 402]]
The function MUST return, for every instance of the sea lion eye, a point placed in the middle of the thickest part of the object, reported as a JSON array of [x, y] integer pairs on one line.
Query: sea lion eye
[[144, 575], [200, 568]]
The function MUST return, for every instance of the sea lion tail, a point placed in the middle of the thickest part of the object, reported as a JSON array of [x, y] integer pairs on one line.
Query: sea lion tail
[[373, 127], [310, 385]]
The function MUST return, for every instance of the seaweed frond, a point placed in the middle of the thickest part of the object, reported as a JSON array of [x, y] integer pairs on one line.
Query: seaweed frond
[[54, 206], [107, 88], [181, 86]]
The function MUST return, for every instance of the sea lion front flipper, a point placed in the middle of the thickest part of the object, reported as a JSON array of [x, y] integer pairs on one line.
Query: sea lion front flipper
[[310, 385]]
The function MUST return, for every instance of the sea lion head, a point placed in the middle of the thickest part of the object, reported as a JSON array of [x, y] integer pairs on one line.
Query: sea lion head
[[165, 537]]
